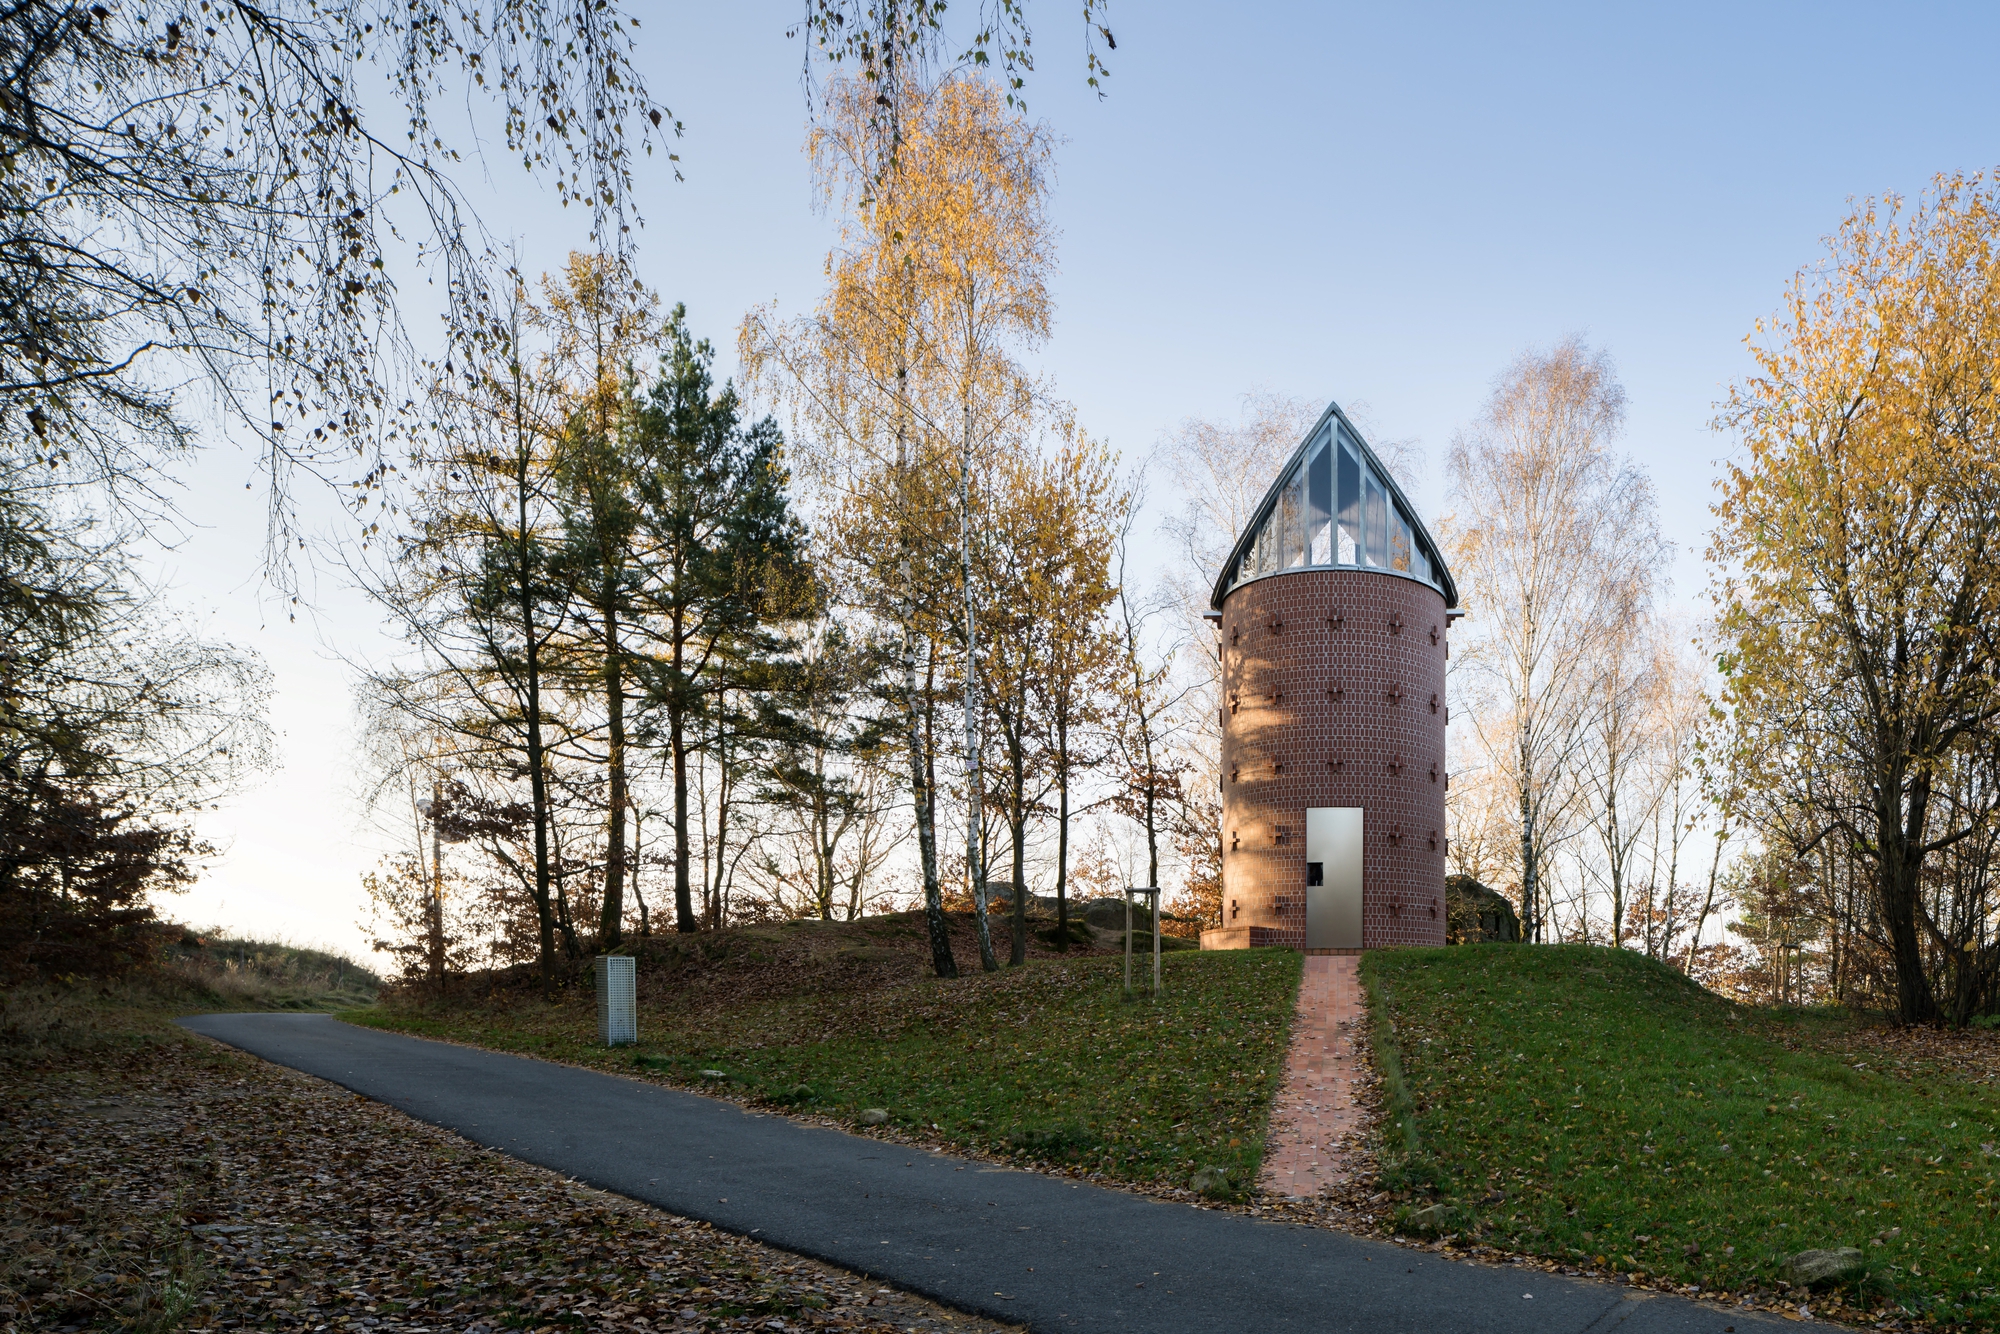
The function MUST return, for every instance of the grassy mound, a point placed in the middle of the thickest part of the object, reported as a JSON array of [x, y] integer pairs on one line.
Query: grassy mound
[[1593, 1105], [1046, 1062], [192, 974]]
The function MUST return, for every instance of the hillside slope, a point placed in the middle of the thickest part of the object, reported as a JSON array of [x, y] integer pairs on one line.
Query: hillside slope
[[1045, 1063], [1594, 1106], [192, 973]]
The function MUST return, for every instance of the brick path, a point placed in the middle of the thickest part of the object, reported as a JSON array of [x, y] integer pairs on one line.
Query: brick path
[[1318, 1111]]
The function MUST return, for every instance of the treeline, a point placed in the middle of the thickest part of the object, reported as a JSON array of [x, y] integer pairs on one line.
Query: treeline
[[1800, 800], [241, 283], [118, 721], [675, 665], [1578, 699]]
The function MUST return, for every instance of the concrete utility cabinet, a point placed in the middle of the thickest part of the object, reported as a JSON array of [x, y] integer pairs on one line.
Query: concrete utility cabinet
[[1333, 611], [617, 1000]]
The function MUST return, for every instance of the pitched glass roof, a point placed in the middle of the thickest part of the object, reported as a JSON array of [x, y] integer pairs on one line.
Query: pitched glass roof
[[1334, 505]]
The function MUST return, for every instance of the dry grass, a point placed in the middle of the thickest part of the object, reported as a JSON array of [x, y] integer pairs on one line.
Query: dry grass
[[79, 1015]]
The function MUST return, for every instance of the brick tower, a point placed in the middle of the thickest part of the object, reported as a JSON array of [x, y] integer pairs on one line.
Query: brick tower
[[1333, 611]]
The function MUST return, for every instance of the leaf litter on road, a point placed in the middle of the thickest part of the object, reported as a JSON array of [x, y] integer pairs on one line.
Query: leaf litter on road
[[186, 1186]]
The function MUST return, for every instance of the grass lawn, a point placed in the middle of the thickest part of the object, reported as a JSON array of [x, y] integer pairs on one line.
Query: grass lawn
[[1591, 1105], [1047, 1062]]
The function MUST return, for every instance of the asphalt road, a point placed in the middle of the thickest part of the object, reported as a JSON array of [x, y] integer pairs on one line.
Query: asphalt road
[[1038, 1250]]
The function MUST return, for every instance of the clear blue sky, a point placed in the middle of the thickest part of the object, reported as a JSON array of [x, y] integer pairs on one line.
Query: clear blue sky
[[1376, 203]]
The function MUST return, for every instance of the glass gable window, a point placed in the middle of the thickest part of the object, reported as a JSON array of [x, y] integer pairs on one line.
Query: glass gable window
[[1320, 541], [1375, 517], [1335, 507], [1350, 507], [1295, 522]]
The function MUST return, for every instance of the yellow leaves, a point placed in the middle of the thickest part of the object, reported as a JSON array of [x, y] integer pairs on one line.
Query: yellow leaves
[[906, 372], [1857, 533]]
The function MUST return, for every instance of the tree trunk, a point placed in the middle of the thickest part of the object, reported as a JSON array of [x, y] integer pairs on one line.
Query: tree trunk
[[1899, 852], [1673, 882], [564, 922], [1616, 849], [538, 787], [920, 798], [975, 779], [684, 919], [638, 861], [1707, 904], [722, 786], [1530, 908], [611, 928], [823, 849], [436, 913], [975, 850], [1017, 828], [1062, 848], [1152, 828]]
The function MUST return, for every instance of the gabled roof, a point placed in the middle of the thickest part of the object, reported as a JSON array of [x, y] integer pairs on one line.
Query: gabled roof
[[1333, 414]]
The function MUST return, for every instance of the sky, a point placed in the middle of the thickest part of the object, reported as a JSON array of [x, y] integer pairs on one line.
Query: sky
[[1377, 204]]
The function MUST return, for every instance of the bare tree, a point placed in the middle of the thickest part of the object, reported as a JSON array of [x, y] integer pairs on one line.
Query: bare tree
[[1220, 470], [199, 198], [1479, 840], [1621, 785], [1554, 540], [1145, 706], [1681, 709]]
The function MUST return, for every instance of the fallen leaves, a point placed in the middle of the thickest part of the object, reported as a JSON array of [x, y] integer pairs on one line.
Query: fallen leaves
[[189, 1186]]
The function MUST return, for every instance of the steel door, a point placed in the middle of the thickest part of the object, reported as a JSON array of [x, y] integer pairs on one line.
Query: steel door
[[1333, 878]]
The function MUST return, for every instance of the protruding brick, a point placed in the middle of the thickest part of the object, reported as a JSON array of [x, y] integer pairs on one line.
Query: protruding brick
[[1377, 754]]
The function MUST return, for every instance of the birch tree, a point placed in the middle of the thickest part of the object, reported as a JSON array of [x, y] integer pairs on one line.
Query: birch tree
[[1552, 538], [909, 369], [1621, 788]]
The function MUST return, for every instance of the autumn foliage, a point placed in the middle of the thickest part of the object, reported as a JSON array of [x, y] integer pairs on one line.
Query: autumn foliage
[[1857, 540]]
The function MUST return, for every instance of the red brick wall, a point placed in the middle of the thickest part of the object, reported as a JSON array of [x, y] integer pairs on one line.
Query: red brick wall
[[1333, 687]]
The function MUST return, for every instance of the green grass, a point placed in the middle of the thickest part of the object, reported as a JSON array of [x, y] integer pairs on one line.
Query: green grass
[[1591, 1105], [1046, 1062]]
